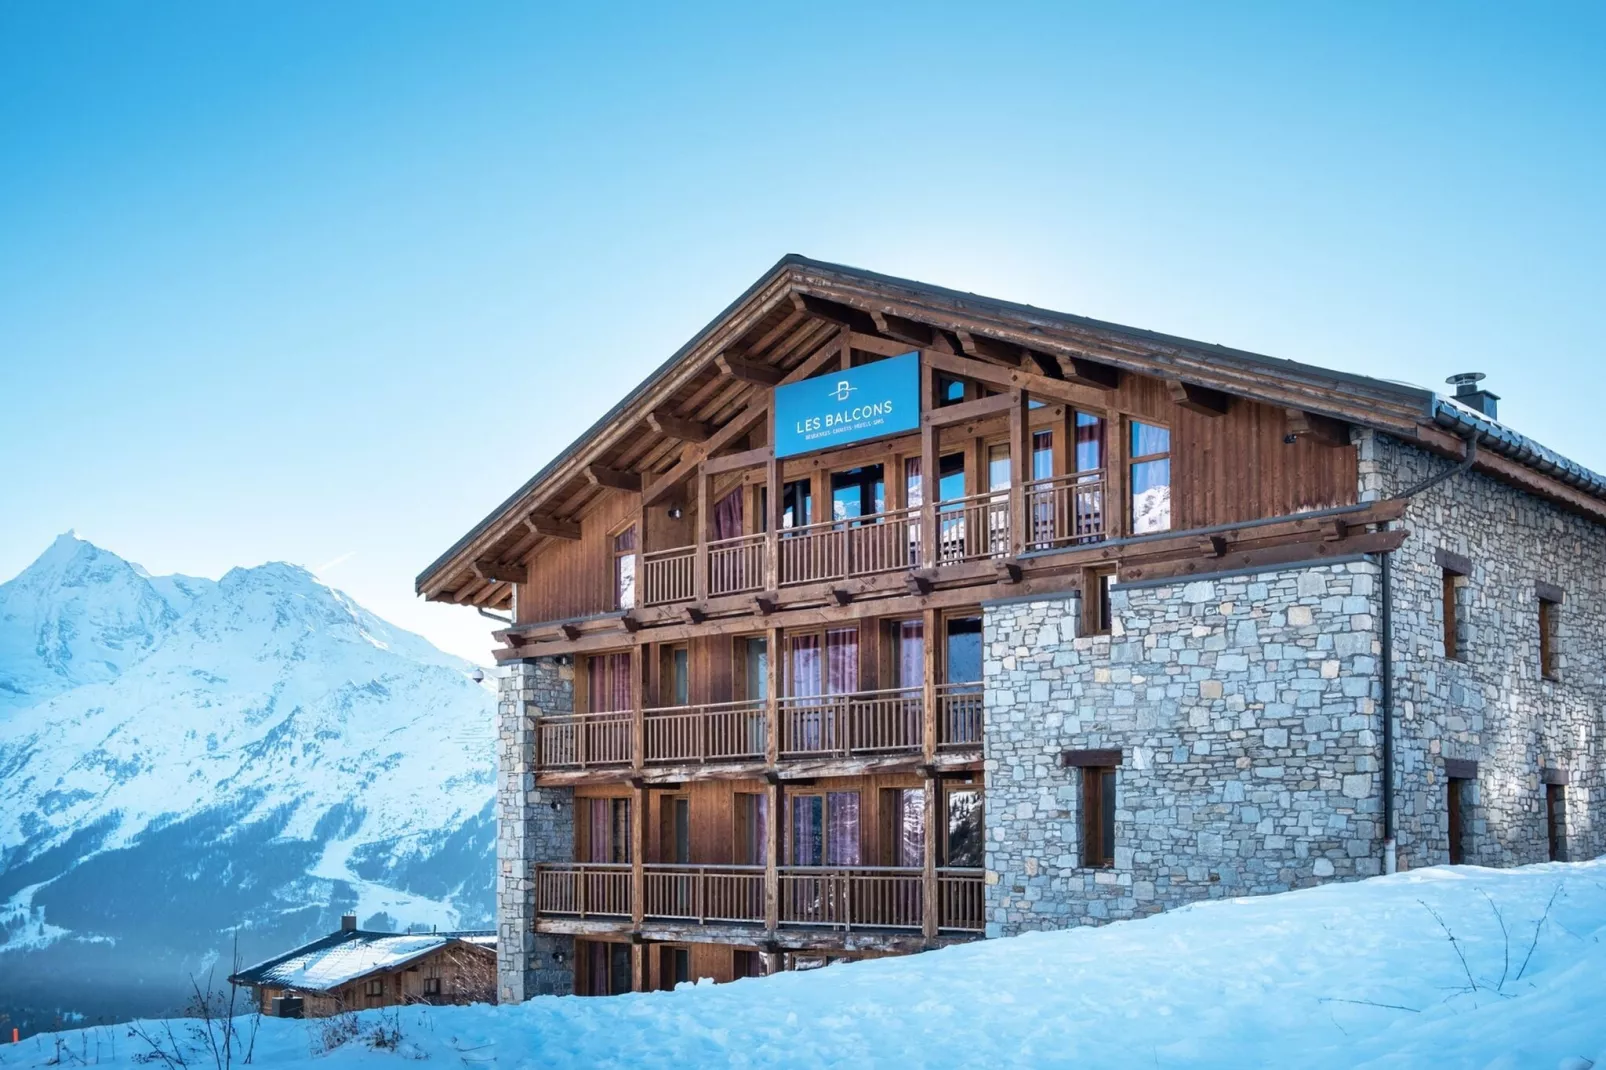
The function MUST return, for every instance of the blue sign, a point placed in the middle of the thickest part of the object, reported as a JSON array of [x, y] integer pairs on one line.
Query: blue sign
[[840, 407]]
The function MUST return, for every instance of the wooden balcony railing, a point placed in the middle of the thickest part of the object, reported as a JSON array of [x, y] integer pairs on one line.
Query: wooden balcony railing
[[724, 894], [833, 897], [584, 890], [869, 722], [857, 546], [1065, 510], [959, 715], [668, 576], [864, 723], [716, 731], [961, 900], [1062, 511], [584, 740]]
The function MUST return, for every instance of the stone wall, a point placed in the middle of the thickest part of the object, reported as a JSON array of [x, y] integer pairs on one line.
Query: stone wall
[[533, 825], [1490, 704], [1245, 708]]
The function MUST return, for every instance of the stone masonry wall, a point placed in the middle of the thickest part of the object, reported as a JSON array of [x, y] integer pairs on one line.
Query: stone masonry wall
[[1246, 711], [533, 825], [1491, 704]]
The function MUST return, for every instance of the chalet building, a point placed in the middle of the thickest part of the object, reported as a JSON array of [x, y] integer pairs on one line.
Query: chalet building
[[882, 617], [355, 969]]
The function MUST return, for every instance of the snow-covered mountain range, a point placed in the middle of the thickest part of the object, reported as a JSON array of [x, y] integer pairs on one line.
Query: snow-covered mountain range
[[182, 757]]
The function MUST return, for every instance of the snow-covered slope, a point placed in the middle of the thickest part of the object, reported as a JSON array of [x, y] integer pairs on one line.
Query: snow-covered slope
[[179, 757], [1345, 975]]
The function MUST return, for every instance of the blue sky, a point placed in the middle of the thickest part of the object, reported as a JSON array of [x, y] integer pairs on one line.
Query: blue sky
[[325, 282]]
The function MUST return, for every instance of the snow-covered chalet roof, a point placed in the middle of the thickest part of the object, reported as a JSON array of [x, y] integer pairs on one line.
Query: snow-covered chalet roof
[[346, 956]]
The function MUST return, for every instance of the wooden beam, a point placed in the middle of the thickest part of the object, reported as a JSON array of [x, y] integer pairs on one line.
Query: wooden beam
[[1322, 430], [1046, 364], [1199, 399], [739, 425], [968, 410], [1006, 378], [501, 571], [984, 348], [904, 330], [834, 312], [600, 475], [1091, 373], [678, 427], [732, 462], [552, 527], [749, 371], [1269, 556]]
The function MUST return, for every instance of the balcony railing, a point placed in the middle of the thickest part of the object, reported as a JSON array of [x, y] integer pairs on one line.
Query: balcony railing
[[723, 894], [844, 898], [584, 890], [584, 740], [841, 726], [1061, 511], [713, 732], [959, 715]]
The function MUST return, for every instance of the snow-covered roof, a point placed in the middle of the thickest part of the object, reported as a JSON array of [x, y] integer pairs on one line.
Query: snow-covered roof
[[345, 956]]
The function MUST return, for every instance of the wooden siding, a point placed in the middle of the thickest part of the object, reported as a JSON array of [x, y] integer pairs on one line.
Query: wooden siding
[[574, 577]]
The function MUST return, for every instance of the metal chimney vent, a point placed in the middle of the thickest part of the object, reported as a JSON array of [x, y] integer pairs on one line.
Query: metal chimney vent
[[1470, 394]]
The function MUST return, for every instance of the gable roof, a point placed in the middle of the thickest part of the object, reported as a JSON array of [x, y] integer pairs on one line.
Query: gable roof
[[800, 306], [347, 956]]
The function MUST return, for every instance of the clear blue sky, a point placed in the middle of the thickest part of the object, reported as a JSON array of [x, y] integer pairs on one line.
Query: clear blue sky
[[325, 282]]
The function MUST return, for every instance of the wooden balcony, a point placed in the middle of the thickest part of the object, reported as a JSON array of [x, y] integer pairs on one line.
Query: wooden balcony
[[865, 724], [834, 898], [1043, 514]]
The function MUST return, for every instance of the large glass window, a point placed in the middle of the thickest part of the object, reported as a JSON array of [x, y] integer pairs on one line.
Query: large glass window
[[964, 847], [998, 467], [858, 492], [906, 817], [797, 505], [675, 672], [605, 830], [951, 477], [752, 828], [962, 660], [608, 683], [909, 653], [1150, 478], [756, 668], [825, 829], [1042, 454], [1089, 442]]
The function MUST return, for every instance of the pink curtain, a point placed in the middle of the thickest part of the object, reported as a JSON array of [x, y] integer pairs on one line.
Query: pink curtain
[[758, 824], [608, 678], [842, 829], [841, 661], [728, 516], [804, 678], [597, 830], [911, 653]]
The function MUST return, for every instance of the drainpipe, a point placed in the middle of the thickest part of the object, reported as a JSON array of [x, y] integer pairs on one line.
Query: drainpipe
[[1386, 594]]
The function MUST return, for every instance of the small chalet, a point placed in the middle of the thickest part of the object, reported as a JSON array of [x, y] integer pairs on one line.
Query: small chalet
[[354, 969]]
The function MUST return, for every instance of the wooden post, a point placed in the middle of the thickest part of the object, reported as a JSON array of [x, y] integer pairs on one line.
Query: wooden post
[[928, 468], [1116, 501], [699, 564], [772, 698], [928, 879], [772, 858], [1020, 460], [772, 522], [638, 855], [638, 705], [928, 629]]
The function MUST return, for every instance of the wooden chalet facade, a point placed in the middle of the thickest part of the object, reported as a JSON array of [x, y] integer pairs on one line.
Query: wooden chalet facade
[[751, 685]]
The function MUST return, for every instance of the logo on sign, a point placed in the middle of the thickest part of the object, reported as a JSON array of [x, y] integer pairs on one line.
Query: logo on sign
[[843, 390]]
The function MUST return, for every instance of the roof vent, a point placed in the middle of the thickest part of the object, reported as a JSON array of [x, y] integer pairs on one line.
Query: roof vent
[[348, 923], [1470, 394]]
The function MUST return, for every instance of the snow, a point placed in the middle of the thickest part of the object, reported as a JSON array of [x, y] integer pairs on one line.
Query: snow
[[1344, 975]]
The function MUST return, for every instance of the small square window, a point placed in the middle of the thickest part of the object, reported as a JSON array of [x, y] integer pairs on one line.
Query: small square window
[[376, 987], [432, 986]]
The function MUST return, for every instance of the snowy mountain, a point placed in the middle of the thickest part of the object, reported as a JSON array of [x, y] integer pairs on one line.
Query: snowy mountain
[[180, 757]]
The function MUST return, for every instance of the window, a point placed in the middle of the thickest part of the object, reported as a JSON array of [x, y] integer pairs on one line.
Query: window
[[807, 674], [858, 492], [950, 391], [605, 968], [432, 986], [1556, 820], [950, 477], [905, 810], [797, 504], [1042, 454], [1150, 478], [963, 844], [604, 829], [1457, 796], [999, 472], [1096, 614], [746, 964], [624, 569], [961, 663], [608, 682], [825, 829], [1549, 614], [674, 675], [1452, 643], [375, 987], [674, 835], [1098, 817], [908, 652], [752, 828], [1089, 442], [755, 654]]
